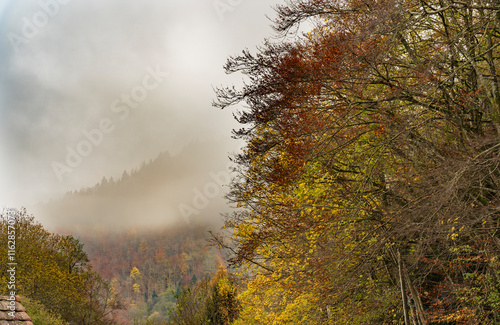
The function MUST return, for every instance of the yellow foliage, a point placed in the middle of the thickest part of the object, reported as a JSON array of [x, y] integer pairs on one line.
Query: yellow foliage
[[135, 273]]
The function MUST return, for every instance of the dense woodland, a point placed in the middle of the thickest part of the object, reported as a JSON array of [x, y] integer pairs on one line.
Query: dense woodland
[[367, 192], [148, 270]]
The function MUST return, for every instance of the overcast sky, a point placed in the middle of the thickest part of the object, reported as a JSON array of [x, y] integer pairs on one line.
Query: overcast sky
[[89, 88]]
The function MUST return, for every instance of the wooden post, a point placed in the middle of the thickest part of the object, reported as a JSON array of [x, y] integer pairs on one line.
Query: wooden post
[[403, 290], [416, 297]]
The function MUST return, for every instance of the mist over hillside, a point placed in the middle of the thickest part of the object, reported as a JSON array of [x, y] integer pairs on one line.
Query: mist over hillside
[[167, 190]]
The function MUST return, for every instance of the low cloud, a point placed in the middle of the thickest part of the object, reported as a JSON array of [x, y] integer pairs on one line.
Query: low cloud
[[65, 62]]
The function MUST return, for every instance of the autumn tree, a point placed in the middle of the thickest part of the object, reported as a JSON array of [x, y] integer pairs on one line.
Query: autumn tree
[[372, 136], [211, 301], [53, 270]]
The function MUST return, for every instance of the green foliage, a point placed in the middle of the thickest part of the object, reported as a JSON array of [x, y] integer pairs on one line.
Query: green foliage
[[40, 315], [209, 302], [190, 306], [222, 306]]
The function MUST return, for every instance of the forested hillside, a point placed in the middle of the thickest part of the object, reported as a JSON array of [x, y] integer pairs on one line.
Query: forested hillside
[[103, 277], [368, 190], [147, 269], [156, 190]]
